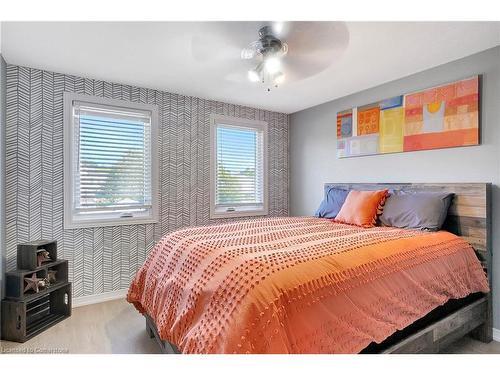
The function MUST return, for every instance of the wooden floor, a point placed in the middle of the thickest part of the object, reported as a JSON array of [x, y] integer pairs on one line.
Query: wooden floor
[[116, 327]]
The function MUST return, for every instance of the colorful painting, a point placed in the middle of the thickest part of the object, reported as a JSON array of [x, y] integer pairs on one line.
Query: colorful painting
[[439, 117], [368, 119]]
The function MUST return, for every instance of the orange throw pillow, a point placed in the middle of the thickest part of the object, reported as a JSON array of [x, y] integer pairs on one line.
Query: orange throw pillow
[[362, 207]]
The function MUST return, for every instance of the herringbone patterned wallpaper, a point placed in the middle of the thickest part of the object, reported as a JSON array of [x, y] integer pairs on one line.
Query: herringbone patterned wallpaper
[[105, 259]]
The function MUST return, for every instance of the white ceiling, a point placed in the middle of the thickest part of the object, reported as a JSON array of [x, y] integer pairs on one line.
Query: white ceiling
[[202, 58]]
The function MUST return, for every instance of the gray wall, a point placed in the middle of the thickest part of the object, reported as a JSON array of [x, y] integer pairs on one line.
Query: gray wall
[[313, 158], [3, 89], [104, 259]]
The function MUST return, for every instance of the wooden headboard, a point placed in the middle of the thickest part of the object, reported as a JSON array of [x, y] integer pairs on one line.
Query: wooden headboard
[[469, 215]]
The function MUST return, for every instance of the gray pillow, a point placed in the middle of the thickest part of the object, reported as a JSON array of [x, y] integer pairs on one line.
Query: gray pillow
[[425, 211]]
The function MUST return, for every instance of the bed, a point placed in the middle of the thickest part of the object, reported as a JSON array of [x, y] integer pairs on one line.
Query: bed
[[309, 285]]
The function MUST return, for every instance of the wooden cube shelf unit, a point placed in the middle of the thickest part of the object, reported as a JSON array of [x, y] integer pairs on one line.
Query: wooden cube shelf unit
[[27, 253], [25, 318], [15, 284], [26, 313]]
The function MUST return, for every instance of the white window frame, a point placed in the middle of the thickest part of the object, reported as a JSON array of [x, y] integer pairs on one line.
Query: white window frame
[[109, 218], [241, 211]]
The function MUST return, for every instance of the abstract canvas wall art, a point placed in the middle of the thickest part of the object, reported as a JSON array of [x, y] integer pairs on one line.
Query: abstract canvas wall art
[[438, 117]]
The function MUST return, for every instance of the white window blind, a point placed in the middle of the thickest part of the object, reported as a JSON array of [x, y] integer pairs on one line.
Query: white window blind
[[114, 169], [239, 168], [111, 164]]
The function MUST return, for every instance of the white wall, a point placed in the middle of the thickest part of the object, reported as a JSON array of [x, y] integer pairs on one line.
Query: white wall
[[313, 158]]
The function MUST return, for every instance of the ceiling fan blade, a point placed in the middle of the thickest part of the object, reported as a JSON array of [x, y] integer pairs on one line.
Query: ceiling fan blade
[[300, 68], [313, 36], [208, 48], [313, 47]]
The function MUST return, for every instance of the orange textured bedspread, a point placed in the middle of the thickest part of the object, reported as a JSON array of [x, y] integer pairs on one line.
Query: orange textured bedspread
[[298, 285]]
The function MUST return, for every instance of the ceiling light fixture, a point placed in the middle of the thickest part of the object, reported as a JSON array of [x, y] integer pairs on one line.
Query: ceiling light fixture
[[267, 74], [272, 65], [253, 75], [269, 50]]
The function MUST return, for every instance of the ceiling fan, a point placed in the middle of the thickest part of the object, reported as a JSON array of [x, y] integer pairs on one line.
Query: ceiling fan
[[276, 53], [268, 50]]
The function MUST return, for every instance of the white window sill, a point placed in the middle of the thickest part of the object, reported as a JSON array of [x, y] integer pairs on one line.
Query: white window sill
[[219, 213], [75, 224]]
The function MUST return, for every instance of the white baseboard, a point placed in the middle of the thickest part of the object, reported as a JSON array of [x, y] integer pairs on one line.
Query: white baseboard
[[98, 298], [496, 334]]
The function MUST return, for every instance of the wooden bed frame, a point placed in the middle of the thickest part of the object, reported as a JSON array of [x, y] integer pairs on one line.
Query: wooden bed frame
[[469, 216]]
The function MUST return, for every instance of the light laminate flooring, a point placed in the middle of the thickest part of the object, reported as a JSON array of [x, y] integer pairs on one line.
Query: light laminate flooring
[[116, 327]]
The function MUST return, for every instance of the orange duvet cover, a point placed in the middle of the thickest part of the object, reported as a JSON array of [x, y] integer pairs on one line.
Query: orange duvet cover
[[298, 285]]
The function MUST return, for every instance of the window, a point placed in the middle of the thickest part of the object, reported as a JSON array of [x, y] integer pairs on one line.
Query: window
[[110, 162], [238, 167]]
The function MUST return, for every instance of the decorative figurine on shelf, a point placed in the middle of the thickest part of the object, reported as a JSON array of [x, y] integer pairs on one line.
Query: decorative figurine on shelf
[[42, 256], [34, 283], [51, 276]]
